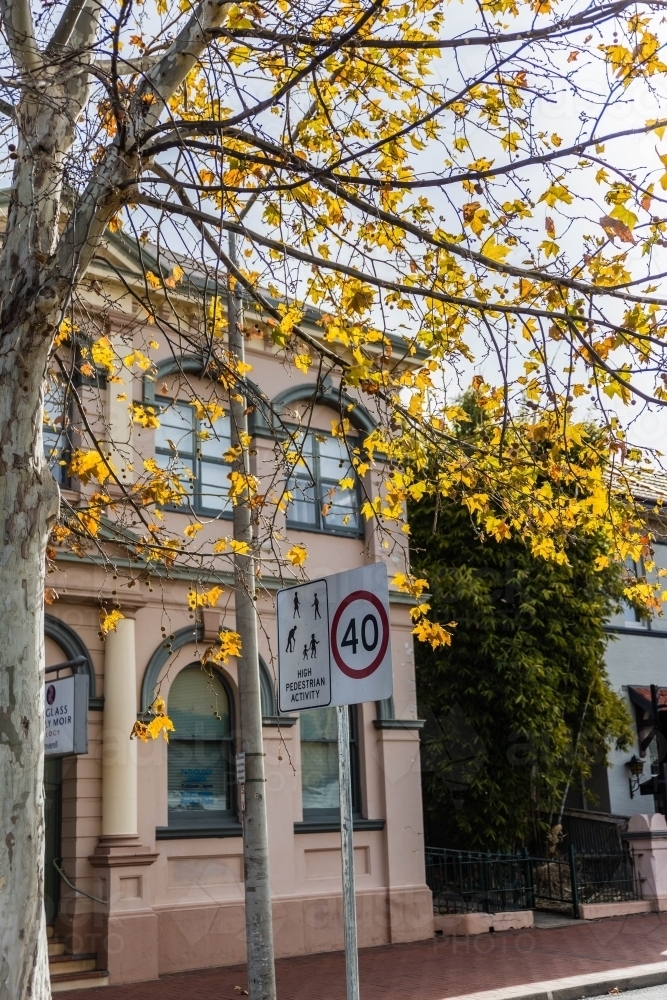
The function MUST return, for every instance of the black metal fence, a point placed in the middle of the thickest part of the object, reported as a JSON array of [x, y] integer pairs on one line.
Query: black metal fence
[[465, 881]]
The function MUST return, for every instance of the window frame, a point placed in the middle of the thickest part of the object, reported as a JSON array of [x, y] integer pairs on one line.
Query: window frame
[[197, 459], [223, 820], [321, 527], [323, 815], [65, 449]]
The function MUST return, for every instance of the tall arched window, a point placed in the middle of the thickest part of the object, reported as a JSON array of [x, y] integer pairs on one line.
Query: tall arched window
[[200, 790], [319, 763]]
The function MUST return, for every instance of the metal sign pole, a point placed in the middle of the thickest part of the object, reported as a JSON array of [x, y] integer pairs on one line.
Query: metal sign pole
[[347, 851]]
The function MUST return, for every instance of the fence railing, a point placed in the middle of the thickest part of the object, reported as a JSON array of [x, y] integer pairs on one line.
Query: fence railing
[[465, 881]]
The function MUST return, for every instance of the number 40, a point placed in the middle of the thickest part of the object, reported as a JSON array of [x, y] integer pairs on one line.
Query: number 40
[[350, 637]]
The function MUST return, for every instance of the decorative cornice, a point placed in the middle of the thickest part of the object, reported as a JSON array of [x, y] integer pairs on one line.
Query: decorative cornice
[[267, 583]]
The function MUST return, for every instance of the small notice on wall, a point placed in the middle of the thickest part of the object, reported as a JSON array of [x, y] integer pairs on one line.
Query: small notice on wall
[[66, 716]]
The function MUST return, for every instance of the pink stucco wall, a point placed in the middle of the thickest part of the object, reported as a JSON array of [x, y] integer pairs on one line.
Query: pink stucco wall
[[179, 904]]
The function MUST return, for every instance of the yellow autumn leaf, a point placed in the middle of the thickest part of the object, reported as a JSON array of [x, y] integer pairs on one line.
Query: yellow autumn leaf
[[144, 415], [208, 411], [205, 599], [104, 355], [240, 548], [493, 250], [139, 359], [109, 620], [90, 465], [297, 555], [432, 633], [228, 645], [556, 192], [303, 362]]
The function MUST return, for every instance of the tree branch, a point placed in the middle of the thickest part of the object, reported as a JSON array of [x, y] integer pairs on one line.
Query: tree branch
[[582, 21], [17, 21]]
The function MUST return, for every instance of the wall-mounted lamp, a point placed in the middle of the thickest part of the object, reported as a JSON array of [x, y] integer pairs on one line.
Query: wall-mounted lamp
[[636, 768]]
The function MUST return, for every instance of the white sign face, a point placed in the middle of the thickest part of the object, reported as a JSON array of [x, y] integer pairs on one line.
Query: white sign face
[[66, 716], [59, 713], [342, 623], [304, 663]]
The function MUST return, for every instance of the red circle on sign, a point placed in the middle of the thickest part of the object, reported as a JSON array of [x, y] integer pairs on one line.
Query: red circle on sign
[[360, 595]]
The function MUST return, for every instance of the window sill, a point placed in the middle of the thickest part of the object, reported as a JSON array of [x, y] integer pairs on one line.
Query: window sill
[[279, 721], [337, 532], [333, 825], [399, 723], [198, 832]]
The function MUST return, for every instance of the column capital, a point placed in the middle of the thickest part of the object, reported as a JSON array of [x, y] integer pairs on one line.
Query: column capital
[[128, 609]]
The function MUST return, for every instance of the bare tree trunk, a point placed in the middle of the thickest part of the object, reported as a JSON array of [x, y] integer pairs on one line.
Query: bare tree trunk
[[28, 506], [259, 923]]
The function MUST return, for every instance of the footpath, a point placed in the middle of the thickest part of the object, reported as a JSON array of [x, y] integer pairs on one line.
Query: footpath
[[578, 959]]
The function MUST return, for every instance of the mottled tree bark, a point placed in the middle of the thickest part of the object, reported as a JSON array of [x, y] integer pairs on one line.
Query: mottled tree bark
[[39, 268]]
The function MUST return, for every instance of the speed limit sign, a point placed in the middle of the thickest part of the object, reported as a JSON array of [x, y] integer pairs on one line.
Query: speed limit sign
[[334, 642]]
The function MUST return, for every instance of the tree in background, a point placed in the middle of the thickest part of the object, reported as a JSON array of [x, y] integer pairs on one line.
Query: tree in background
[[518, 707]]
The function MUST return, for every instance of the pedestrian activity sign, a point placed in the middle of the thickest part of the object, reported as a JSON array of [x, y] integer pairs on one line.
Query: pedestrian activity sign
[[333, 640]]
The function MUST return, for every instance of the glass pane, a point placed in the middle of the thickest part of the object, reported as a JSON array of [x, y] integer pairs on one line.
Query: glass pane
[[319, 724], [183, 468], [303, 507], [214, 487], [54, 430], [176, 429], [198, 755], [319, 774], [218, 440], [198, 776], [198, 706], [340, 506], [334, 459]]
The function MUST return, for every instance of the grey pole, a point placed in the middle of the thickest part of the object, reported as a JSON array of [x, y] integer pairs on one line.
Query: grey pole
[[259, 924], [347, 851]]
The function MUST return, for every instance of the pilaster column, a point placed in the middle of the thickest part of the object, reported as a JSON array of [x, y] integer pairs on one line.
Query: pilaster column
[[119, 752], [647, 836]]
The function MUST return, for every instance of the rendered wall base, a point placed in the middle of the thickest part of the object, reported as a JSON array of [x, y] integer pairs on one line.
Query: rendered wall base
[[595, 911], [463, 924], [411, 914], [128, 948], [214, 934]]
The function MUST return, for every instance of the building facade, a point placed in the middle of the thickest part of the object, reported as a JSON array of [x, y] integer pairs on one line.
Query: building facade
[[146, 837], [636, 658]]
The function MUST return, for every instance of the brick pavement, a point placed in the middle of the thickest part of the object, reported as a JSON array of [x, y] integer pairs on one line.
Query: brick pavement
[[430, 970]]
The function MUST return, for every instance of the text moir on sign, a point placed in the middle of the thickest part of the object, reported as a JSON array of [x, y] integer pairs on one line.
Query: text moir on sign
[[334, 645]]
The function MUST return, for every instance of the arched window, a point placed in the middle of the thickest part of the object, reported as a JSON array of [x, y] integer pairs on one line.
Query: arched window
[[200, 789], [319, 763], [319, 502], [193, 448]]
